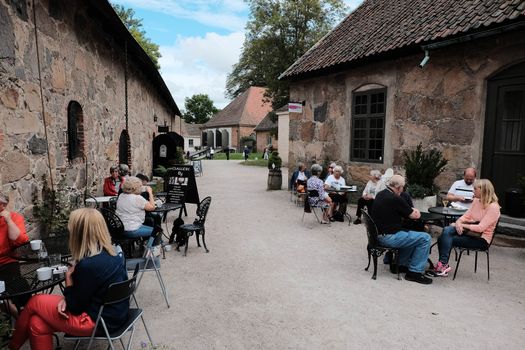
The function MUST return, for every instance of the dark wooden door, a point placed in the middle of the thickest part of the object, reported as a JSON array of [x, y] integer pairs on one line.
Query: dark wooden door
[[504, 139]]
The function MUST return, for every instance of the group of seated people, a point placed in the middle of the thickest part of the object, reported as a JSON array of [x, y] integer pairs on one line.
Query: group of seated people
[[474, 229], [94, 266]]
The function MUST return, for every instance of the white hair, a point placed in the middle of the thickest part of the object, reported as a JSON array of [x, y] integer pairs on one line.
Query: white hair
[[339, 169]]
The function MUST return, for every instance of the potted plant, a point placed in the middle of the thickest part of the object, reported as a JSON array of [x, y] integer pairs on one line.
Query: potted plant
[[275, 177], [421, 169]]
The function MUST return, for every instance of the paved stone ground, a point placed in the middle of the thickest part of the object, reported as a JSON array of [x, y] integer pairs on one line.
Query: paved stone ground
[[271, 281]]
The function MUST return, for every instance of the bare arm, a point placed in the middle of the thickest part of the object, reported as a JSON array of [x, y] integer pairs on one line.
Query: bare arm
[[415, 214], [13, 231], [151, 203]]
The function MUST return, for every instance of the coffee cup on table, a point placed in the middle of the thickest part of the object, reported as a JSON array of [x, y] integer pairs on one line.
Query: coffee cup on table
[[36, 244], [44, 273]]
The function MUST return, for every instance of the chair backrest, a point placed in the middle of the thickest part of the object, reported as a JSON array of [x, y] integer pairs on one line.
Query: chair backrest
[[113, 203], [202, 211], [371, 229], [120, 291], [115, 225], [156, 238], [313, 197]]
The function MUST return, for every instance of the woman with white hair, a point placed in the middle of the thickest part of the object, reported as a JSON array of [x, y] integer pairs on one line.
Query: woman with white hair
[[323, 200], [373, 186], [132, 207], [336, 181]]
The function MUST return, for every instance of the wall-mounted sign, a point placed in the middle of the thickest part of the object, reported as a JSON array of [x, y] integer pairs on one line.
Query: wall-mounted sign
[[163, 128], [295, 107], [163, 150]]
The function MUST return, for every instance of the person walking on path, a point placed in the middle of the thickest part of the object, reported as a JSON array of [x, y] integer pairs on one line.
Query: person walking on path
[[246, 153]]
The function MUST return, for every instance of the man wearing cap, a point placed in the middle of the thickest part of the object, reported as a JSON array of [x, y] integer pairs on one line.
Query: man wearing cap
[[12, 231], [112, 183]]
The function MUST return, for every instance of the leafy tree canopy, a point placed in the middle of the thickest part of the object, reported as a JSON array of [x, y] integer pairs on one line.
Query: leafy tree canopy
[[199, 109], [277, 34], [134, 25]]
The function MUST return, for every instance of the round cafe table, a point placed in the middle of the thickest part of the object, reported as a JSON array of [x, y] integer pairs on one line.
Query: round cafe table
[[450, 214]]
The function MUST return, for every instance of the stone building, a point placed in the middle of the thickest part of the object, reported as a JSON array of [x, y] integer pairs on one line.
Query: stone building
[[191, 134], [266, 133], [237, 120], [77, 95], [449, 74]]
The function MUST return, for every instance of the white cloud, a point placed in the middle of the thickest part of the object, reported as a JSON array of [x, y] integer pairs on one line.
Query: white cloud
[[225, 14], [197, 65]]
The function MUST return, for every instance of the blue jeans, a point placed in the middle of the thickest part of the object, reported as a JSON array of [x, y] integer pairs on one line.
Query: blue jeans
[[450, 238], [142, 231], [413, 248]]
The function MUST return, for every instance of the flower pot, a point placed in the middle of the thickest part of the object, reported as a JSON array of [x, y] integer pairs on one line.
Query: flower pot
[[422, 204], [275, 180]]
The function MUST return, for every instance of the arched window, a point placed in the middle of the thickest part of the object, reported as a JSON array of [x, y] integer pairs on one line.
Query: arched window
[[368, 123], [75, 131]]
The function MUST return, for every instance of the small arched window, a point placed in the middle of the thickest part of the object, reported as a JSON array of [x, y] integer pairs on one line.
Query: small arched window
[[75, 131]]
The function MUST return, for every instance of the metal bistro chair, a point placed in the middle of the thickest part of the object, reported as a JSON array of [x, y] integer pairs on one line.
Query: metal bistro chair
[[150, 261], [198, 225], [116, 231], [375, 249], [311, 206], [486, 251], [116, 293]]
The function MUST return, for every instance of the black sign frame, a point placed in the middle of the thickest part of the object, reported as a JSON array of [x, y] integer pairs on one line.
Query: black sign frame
[[180, 185]]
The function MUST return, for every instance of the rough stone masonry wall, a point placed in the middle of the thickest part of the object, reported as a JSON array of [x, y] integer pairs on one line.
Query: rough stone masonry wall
[[441, 105], [79, 62]]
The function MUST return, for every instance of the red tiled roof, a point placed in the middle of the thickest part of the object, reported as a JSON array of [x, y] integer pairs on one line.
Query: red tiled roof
[[247, 109], [190, 130], [266, 124], [380, 26]]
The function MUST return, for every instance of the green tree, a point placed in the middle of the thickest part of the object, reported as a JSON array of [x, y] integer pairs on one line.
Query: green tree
[[199, 109], [277, 34], [134, 25]]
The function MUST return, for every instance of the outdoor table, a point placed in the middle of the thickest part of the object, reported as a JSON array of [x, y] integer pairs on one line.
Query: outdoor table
[[344, 190], [430, 218], [97, 200], [450, 214], [165, 208], [26, 282], [161, 194], [57, 245]]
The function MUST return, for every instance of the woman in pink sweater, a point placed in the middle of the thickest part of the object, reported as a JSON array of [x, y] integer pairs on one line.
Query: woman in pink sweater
[[474, 229]]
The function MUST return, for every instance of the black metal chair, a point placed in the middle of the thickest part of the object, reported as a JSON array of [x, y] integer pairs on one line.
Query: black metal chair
[[116, 230], [374, 248], [468, 250], [311, 203], [150, 261], [116, 293], [198, 225]]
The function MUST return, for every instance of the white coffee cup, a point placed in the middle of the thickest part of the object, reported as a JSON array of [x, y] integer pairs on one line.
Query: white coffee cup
[[2, 287], [354, 188], [36, 244], [44, 273]]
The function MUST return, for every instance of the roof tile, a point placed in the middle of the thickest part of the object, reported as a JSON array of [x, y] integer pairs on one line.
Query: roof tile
[[379, 26]]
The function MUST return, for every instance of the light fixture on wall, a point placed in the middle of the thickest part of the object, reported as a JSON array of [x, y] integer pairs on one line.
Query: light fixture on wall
[[425, 59], [155, 118]]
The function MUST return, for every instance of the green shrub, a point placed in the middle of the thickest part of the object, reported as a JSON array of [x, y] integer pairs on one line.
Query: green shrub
[[422, 168]]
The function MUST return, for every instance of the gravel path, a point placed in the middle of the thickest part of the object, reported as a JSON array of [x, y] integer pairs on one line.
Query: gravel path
[[271, 281]]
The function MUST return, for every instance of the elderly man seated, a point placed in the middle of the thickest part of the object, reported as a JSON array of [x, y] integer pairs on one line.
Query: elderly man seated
[[388, 212], [323, 200], [461, 193]]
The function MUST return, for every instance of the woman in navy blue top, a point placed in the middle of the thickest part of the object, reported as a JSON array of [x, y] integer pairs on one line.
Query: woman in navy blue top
[[96, 267]]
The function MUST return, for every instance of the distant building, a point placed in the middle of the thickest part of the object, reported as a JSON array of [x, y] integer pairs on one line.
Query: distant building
[[191, 134], [237, 120], [266, 133], [449, 74]]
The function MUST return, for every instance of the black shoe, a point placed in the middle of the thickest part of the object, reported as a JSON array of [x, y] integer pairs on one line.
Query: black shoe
[[402, 269], [417, 277], [332, 219], [357, 221]]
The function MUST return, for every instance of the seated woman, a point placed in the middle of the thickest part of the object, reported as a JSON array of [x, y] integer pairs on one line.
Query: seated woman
[[97, 266], [132, 207], [369, 193], [152, 219], [474, 229], [324, 200], [299, 177], [335, 181]]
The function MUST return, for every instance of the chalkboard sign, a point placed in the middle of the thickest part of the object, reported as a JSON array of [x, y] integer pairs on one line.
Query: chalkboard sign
[[197, 167], [180, 185]]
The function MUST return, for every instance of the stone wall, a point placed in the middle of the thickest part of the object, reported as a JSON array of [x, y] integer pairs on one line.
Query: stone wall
[[441, 105], [80, 62]]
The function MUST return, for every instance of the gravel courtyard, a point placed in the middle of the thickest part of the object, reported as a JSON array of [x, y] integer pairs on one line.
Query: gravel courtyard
[[271, 281]]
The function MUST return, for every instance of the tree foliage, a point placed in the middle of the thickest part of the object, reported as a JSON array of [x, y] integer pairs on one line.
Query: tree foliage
[[134, 25], [199, 109], [277, 34]]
